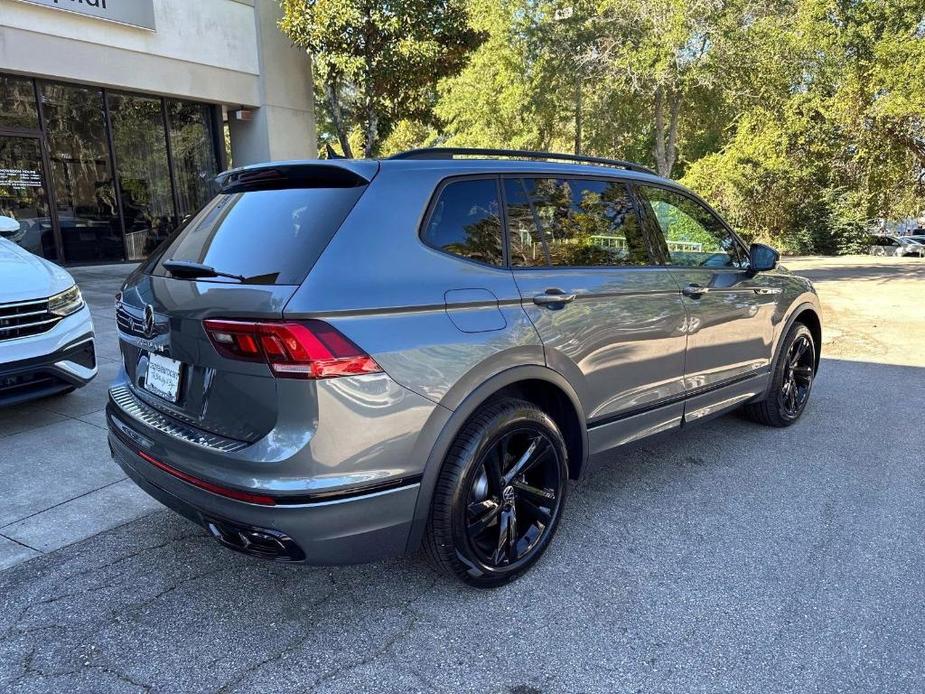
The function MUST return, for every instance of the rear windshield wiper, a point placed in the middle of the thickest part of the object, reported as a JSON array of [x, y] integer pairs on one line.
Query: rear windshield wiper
[[189, 269]]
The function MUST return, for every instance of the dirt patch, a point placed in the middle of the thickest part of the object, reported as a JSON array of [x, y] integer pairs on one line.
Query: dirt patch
[[873, 308]]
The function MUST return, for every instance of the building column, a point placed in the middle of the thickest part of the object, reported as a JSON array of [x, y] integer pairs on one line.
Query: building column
[[283, 127]]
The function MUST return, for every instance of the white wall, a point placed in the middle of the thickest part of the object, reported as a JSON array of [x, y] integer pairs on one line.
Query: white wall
[[204, 49], [220, 51], [284, 126]]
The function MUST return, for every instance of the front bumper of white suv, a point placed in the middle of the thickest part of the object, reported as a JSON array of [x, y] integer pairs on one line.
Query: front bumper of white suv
[[46, 363]]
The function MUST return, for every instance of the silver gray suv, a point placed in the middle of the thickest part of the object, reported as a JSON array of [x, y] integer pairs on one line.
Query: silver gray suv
[[340, 361]]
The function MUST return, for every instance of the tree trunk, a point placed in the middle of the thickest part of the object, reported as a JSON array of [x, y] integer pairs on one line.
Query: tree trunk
[[659, 150], [672, 153], [337, 117], [371, 133], [578, 115], [666, 143]]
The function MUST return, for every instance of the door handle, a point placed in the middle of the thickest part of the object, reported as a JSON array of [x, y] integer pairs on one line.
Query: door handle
[[553, 297], [695, 291]]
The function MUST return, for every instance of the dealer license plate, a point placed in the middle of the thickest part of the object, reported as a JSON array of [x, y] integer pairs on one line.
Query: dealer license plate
[[163, 377]]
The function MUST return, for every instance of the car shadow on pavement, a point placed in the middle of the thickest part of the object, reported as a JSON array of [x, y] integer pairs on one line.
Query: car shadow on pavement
[[727, 556]]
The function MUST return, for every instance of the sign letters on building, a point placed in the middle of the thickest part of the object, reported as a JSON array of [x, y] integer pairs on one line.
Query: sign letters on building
[[139, 13]]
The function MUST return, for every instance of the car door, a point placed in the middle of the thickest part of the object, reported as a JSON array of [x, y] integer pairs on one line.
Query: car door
[[611, 320], [730, 329]]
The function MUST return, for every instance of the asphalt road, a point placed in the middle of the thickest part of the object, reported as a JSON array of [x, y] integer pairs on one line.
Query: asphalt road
[[727, 558]]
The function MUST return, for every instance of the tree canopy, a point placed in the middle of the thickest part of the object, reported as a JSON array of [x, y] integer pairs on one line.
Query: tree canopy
[[802, 121], [376, 62]]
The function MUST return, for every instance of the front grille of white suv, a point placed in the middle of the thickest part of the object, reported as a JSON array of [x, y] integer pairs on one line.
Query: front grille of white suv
[[26, 318]]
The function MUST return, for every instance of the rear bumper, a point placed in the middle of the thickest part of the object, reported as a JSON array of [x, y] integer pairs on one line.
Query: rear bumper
[[355, 529], [46, 364]]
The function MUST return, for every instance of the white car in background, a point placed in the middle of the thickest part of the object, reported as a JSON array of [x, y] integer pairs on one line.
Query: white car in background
[[896, 246], [46, 333]]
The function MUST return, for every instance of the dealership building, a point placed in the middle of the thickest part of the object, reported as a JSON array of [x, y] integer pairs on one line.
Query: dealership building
[[116, 115]]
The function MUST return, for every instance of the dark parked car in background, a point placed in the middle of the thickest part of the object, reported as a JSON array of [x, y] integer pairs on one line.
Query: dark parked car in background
[[339, 361]]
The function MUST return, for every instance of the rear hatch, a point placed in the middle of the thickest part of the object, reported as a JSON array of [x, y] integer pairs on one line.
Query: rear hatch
[[268, 226]]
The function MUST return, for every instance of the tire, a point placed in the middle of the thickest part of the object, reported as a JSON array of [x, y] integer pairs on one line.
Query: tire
[[791, 382], [499, 496]]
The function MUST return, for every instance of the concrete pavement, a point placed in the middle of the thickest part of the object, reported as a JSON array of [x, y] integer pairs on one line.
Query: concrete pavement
[[730, 557], [61, 486]]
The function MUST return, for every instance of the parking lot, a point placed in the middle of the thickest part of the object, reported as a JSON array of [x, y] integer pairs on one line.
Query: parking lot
[[730, 557]]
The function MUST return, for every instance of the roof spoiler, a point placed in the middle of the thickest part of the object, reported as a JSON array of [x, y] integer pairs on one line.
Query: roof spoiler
[[341, 173]]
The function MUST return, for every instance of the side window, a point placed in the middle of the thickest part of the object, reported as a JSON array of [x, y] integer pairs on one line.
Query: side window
[[526, 239], [466, 221], [693, 236], [585, 222]]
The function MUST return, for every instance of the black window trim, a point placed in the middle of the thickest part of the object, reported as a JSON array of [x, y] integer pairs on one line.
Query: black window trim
[[429, 212], [693, 197], [637, 208]]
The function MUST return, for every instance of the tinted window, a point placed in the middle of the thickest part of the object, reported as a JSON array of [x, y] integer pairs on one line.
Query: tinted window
[[585, 222], [526, 240], [144, 175], [466, 221], [81, 176], [17, 103], [268, 236], [191, 142], [24, 196], [693, 236]]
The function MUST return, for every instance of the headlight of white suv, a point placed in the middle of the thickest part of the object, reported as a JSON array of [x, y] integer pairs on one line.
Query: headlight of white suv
[[67, 302]]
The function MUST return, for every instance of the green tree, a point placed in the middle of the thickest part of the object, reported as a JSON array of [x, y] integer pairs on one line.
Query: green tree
[[678, 60], [506, 96], [377, 62], [838, 142]]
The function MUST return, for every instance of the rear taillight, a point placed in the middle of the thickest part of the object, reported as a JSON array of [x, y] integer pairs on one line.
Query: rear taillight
[[311, 349]]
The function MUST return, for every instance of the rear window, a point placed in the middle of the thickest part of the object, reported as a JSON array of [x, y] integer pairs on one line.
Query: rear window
[[268, 236]]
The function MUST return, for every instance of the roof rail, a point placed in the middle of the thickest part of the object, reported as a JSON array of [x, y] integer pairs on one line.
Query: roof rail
[[453, 152]]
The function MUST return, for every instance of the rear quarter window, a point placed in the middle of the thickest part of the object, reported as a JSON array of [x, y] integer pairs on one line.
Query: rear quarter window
[[465, 221], [268, 236]]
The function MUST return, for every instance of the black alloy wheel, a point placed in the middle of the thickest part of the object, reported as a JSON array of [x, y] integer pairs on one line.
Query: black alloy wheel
[[791, 381], [797, 382], [513, 497], [499, 496]]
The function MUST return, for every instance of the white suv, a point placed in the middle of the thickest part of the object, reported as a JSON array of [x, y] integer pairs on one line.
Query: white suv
[[896, 246], [46, 333]]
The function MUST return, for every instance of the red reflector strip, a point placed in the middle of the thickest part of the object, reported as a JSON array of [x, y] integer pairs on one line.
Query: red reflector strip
[[208, 486]]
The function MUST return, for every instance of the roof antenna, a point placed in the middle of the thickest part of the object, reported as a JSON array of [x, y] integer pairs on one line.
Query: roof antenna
[[329, 152]]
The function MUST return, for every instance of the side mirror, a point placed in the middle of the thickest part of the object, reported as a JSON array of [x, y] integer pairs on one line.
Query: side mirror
[[762, 258], [8, 226]]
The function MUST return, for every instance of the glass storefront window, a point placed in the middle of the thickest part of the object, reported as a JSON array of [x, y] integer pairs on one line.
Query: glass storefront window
[[17, 103], [143, 171], [23, 195], [122, 170], [84, 193], [192, 145]]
